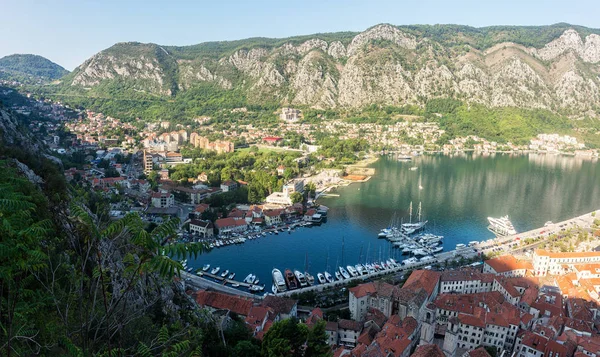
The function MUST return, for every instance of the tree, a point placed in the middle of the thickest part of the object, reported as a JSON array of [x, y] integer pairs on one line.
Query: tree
[[246, 349], [296, 197], [290, 338]]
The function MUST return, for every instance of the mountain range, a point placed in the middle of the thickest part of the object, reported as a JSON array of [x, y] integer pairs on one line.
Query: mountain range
[[553, 67]]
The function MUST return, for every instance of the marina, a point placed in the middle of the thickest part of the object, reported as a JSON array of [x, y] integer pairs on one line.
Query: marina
[[458, 195]]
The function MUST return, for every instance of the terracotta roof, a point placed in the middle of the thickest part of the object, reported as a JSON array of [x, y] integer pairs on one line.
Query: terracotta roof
[[225, 222], [363, 290], [542, 252], [425, 279], [507, 263], [331, 326], [430, 351], [200, 223], [279, 304], [479, 352], [239, 305], [350, 325]]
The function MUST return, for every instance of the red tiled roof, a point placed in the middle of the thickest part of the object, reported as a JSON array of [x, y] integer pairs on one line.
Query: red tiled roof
[[430, 351], [239, 305], [479, 352], [425, 279], [542, 252], [507, 263], [363, 290]]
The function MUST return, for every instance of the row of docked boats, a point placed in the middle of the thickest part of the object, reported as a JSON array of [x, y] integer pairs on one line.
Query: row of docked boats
[[251, 279], [403, 230], [292, 280]]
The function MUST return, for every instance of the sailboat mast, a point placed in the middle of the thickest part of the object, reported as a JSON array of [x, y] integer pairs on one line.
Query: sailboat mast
[[419, 211], [410, 212]]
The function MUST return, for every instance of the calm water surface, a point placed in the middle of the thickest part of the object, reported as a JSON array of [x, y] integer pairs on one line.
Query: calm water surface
[[458, 195]]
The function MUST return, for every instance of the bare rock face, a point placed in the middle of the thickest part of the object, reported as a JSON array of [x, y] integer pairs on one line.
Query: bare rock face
[[382, 32], [189, 73], [570, 40], [101, 67], [380, 82], [312, 84], [514, 83], [336, 50], [311, 45]]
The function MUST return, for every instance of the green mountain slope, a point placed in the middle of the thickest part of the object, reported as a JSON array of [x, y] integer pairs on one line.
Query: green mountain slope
[[30, 66]]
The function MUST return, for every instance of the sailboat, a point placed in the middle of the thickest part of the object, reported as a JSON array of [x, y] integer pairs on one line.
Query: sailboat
[[309, 278], [411, 227]]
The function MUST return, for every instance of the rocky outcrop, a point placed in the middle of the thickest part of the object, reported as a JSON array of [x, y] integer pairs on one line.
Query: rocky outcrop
[[588, 50], [382, 32]]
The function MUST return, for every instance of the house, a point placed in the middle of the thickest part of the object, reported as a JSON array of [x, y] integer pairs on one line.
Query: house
[[257, 318], [201, 228], [164, 174], [218, 301], [201, 208], [506, 265], [163, 199], [229, 185], [282, 307], [465, 282], [230, 225], [279, 198], [545, 262], [280, 170], [272, 140], [272, 217], [377, 295], [348, 332]]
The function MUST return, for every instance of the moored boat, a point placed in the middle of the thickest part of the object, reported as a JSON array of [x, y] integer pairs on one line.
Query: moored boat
[[309, 278], [290, 280], [224, 274], [206, 267], [231, 276], [278, 280], [501, 226], [328, 277], [321, 278], [301, 278], [344, 273], [215, 270], [351, 270]]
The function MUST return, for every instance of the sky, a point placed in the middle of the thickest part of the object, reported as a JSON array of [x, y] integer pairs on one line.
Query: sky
[[70, 31]]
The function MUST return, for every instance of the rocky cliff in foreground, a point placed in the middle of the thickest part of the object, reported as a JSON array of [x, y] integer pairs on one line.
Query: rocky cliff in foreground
[[553, 67]]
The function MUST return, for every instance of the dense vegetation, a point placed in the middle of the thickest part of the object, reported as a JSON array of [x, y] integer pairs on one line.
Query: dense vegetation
[[31, 65]]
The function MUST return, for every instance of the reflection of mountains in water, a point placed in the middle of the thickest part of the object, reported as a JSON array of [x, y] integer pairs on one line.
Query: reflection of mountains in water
[[532, 188]]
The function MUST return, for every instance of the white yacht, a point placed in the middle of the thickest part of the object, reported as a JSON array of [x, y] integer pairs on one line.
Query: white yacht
[[460, 246], [215, 270], [206, 267], [501, 226], [338, 275], [436, 250], [410, 261], [224, 274], [328, 277], [321, 278], [301, 278], [344, 273], [351, 270], [278, 280], [420, 252]]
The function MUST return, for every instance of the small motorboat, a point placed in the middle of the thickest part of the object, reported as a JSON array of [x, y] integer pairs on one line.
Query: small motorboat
[[215, 270], [231, 276], [206, 267], [321, 278], [224, 274]]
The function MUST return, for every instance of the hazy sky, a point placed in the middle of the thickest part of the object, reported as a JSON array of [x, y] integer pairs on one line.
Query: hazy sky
[[70, 31]]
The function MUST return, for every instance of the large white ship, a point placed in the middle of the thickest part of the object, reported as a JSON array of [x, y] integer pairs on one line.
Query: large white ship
[[278, 280], [501, 226]]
